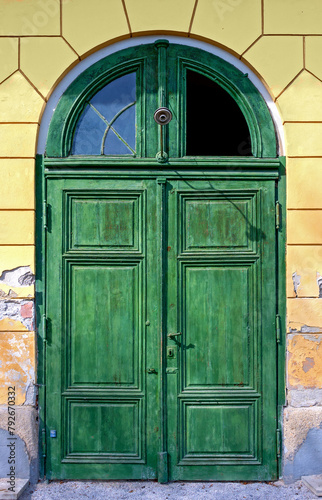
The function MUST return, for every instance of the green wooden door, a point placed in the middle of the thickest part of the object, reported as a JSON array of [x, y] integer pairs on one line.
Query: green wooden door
[[160, 272], [130, 260]]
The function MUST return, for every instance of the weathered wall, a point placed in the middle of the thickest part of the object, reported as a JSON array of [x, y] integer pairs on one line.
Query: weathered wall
[[40, 40]]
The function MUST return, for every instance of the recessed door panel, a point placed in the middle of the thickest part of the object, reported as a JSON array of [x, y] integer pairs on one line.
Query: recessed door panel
[[215, 224], [218, 432], [93, 433], [105, 313], [104, 221], [218, 317]]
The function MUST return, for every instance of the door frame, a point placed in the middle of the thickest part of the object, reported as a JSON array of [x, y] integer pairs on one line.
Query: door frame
[[58, 161]]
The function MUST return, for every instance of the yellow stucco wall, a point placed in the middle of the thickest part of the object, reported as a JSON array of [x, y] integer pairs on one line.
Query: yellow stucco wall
[[40, 40]]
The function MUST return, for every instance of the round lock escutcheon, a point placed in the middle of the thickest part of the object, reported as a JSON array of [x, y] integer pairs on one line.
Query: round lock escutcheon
[[163, 116]]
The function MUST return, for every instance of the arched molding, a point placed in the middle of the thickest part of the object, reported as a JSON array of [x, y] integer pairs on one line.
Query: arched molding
[[228, 60]]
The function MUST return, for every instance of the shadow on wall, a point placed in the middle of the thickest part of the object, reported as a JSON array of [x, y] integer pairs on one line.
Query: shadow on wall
[[308, 459]]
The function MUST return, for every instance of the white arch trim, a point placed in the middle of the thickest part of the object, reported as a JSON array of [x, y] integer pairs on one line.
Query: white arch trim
[[132, 42]]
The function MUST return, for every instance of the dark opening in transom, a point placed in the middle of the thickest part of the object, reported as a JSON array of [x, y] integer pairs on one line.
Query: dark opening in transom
[[215, 124]]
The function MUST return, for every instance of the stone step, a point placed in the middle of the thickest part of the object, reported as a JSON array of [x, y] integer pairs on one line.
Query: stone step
[[19, 487], [314, 483]]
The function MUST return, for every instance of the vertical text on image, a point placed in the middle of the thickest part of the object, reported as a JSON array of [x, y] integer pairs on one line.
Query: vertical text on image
[[12, 440]]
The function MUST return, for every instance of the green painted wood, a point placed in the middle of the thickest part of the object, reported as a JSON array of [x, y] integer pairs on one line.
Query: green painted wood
[[222, 402], [40, 286], [145, 60], [136, 252], [225, 166], [281, 297], [108, 223], [86, 85], [218, 327], [105, 406], [163, 466], [104, 314]]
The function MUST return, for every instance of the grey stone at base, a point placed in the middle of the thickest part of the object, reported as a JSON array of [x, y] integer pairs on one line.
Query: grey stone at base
[[26, 429], [314, 483], [20, 486]]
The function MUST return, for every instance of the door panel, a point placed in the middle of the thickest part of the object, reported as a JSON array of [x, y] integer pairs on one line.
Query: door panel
[[216, 325], [129, 262], [109, 221], [231, 432], [106, 440], [104, 315], [213, 224]]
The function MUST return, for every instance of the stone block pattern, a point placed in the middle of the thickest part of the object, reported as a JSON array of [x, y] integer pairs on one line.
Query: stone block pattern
[[41, 40]]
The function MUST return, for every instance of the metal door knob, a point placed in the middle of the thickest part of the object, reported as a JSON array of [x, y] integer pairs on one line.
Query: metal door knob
[[163, 116]]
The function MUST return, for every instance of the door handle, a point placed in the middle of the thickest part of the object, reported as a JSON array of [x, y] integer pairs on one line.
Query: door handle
[[151, 370], [172, 335]]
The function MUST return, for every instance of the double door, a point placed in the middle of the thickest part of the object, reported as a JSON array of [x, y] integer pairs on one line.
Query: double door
[[161, 356]]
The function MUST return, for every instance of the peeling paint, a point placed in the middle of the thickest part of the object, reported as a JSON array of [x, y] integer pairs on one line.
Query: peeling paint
[[296, 278], [19, 276], [297, 424], [31, 393], [295, 327], [310, 329], [18, 359], [26, 310], [16, 315], [7, 295], [319, 282], [308, 364], [17, 282], [304, 361], [307, 460]]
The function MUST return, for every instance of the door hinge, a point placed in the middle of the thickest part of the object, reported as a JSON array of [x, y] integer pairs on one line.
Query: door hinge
[[278, 443], [43, 442], [278, 328], [277, 215], [44, 327], [45, 214]]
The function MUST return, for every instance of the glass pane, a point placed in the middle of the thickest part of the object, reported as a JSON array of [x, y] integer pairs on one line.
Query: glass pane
[[215, 124], [89, 132], [123, 125], [108, 125]]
